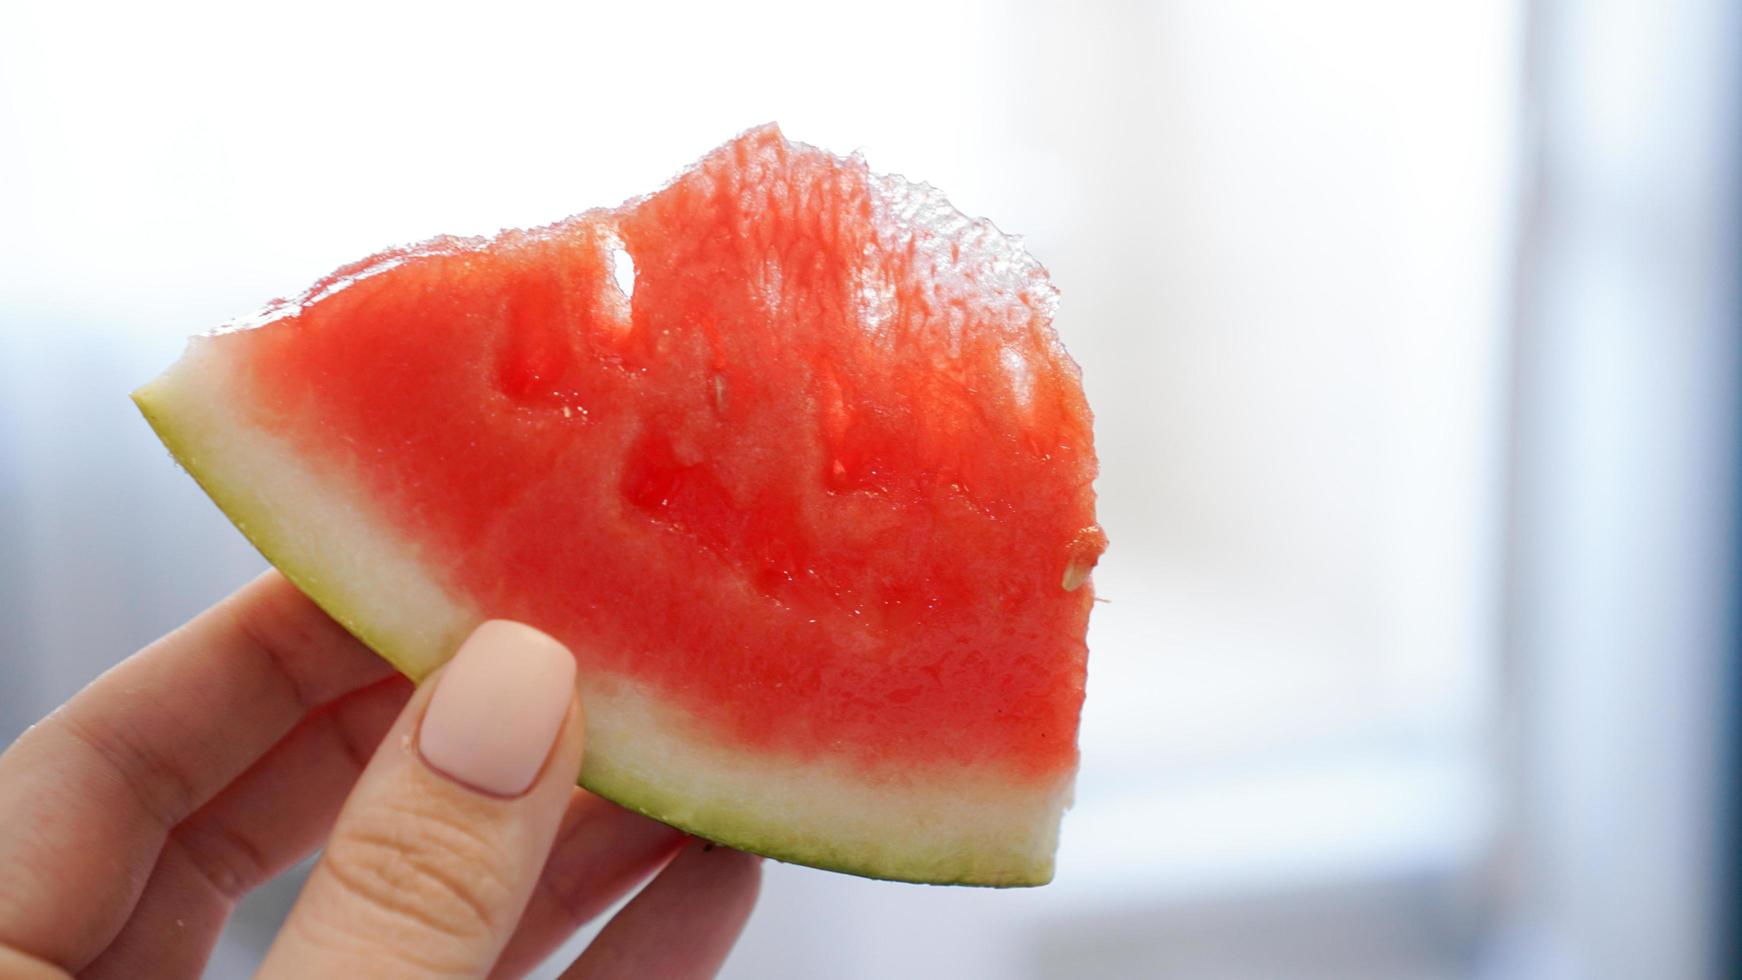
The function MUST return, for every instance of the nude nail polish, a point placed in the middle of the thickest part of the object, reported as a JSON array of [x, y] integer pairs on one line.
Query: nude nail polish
[[498, 707]]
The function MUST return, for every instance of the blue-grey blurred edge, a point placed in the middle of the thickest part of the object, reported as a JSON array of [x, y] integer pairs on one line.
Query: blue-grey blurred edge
[[1622, 575]]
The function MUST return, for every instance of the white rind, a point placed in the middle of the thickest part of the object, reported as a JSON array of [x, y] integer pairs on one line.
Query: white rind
[[960, 826], [949, 826], [322, 537]]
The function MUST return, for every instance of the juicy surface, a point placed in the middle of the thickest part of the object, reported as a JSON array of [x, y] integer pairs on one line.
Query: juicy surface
[[821, 479]]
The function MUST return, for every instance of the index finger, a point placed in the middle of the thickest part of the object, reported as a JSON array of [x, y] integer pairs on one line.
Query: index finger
[[88, 795]]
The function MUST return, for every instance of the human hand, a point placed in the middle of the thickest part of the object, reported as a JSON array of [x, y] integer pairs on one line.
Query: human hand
[[135, 816]]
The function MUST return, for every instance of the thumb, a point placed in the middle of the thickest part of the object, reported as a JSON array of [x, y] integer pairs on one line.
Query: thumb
[[437, 849]]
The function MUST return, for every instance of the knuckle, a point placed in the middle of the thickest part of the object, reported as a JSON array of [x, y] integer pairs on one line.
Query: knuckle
[[419, 863], [165, 791], [278, 637], [225, 857]]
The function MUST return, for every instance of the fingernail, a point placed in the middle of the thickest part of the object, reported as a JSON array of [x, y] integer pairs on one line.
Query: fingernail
[[498, 708]]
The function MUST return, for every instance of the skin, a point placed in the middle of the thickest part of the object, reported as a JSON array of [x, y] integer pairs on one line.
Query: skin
[[134, 817]]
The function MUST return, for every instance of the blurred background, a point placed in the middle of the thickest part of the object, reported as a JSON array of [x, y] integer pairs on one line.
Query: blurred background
[[1410, 329]]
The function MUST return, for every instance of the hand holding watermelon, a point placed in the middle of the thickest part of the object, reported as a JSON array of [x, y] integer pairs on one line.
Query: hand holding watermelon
[[784, 460], [141, 811]]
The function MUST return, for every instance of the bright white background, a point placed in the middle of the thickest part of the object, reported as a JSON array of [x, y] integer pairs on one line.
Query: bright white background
[[1288, 240]]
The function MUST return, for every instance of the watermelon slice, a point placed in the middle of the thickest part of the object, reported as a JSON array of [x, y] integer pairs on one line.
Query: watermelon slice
[[787, 452]]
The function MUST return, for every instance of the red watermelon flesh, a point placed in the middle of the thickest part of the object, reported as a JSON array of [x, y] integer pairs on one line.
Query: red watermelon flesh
[[810, 501]]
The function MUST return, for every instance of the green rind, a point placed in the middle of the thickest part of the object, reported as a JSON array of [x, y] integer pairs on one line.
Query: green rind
[[721, 826]]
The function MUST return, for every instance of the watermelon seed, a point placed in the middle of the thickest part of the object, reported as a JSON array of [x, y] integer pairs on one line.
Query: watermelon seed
[[719, 394], [1075, 573], [623, 272]]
